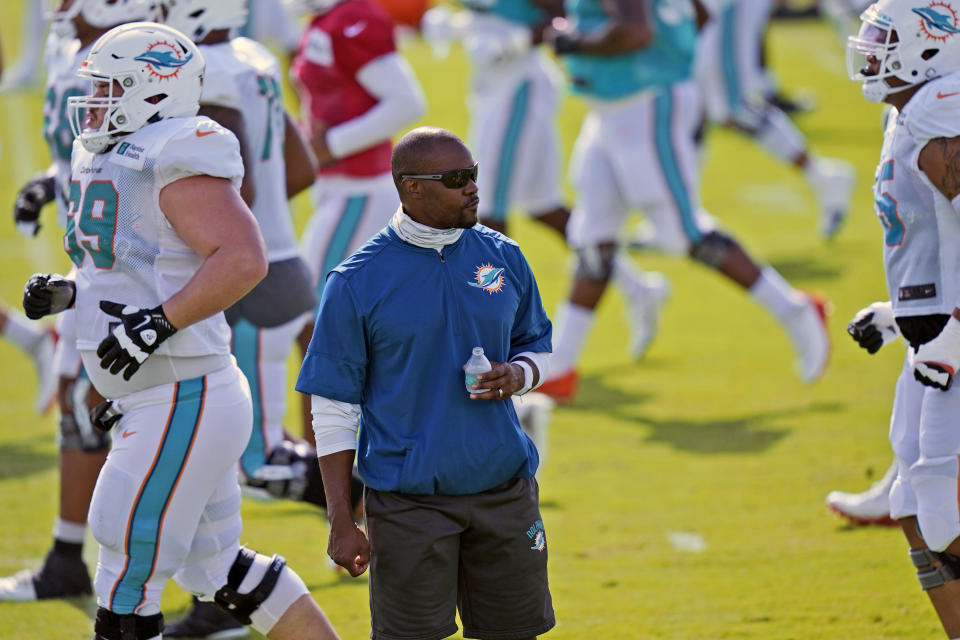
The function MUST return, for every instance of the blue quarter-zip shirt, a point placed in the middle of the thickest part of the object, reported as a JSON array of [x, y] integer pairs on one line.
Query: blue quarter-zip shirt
[[395, 325]]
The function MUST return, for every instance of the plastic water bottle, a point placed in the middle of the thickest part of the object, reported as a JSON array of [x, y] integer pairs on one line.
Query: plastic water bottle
[[476, 365]]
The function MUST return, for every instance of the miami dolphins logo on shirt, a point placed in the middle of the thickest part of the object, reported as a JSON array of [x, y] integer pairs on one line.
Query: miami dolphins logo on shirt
[[488, 278], [163, 60], [938, 20]]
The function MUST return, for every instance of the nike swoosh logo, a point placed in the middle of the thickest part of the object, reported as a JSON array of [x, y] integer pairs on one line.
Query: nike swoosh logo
[[145, 322], [941, 96], [354, 30], [200, 134], [126, 434]]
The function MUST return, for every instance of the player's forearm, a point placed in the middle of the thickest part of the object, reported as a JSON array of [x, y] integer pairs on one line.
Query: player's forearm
[[225, 276], [400, 101], [337, 471], [300, 161]]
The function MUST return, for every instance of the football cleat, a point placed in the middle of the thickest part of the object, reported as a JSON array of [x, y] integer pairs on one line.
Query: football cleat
[[561, 388], [42, 355], [645, 311], [832, 181], [867, 507], [206, 620], [60, 576], [807, 326]]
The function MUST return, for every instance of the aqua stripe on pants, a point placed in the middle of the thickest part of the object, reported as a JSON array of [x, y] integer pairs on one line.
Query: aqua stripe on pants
[[246, 349], [347, 225], [508, 152], [146, 521], [667, 156]]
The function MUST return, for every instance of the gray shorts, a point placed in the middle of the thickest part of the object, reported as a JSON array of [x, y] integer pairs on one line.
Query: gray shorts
[[484, 554], [285, 293]]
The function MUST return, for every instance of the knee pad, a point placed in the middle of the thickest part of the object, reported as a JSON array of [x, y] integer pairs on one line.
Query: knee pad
[[76, 430], [116, 626], [930, 576], [292, 472], [259, 590], [712, 249], [285, 474], [596, 263]]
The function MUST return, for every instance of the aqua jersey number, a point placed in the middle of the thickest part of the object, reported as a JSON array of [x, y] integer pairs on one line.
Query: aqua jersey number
[[93, 231]]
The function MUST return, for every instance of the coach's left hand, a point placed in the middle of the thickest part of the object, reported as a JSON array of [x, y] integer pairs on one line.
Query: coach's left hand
[[937, 361], [501, 382]]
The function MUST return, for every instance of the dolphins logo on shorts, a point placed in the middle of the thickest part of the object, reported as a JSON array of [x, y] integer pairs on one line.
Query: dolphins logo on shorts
[[538, 536]]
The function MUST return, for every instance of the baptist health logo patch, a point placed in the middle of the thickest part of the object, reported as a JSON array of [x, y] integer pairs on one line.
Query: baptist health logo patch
[[938, 20], [164, 59], [488, 278], [538, 536]]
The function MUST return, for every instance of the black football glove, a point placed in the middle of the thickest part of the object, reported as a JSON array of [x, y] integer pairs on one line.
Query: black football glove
[[105, 415], [32, 198], [874, 326], [138, 335], [47, 293]]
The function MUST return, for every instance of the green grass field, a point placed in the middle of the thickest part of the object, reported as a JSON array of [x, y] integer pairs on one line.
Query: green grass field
[[711, 434]]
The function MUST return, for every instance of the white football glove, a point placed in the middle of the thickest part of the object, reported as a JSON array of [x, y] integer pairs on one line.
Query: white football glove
[[874, 326], [936, 362]]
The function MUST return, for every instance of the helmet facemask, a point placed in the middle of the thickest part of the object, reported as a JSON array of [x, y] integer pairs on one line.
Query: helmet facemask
[[872, 57]]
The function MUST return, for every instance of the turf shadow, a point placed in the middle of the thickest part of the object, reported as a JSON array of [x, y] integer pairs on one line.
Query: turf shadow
[[749, 433], [805, 269], [26, 457]]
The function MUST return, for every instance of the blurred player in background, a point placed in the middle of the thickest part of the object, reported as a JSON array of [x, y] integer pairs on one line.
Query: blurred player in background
[[737, 94], [24, 72], [149, 296], [76, 25], [633, 62], [907, 54], [513, 110], [356, 91]]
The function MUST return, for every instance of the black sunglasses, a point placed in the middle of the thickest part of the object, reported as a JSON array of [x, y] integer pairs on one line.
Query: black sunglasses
[[452, 179]]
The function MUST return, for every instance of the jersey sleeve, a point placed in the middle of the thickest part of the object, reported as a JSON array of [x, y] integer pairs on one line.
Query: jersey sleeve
[[532, 329], [935, 111], [360, 38], [220, 85], [200, 148], [335, 364]]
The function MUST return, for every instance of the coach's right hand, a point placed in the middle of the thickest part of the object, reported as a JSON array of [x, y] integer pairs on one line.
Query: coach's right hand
[[349, 548], [47, 293], [874, 326]]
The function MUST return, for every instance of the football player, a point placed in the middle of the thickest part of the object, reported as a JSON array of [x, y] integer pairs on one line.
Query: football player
[[728, 69], [356, 91], [633, 62], [76, 25], [907, 54], [242, 91], [513, 110], [163, 243]]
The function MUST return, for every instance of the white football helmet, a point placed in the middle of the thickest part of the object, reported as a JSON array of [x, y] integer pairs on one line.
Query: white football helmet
[[911, 40], [142, 72], [97, 13], [197, 18]]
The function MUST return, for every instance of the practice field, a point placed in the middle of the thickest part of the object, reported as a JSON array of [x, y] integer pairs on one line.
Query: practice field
[[682, 495]]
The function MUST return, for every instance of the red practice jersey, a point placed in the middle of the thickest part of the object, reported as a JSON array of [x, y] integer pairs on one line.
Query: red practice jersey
[[333, 48]]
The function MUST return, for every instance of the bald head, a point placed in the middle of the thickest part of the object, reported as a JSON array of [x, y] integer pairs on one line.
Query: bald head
[[416, 152]]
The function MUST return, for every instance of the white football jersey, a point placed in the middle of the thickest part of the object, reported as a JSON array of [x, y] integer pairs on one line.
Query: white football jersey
[[921, 253], [125, 249], [62, 58], [243, 75]]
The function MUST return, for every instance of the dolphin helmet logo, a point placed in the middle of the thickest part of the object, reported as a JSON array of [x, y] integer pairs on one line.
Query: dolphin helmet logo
[[163, 59], [938, 21], [488, 278]]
